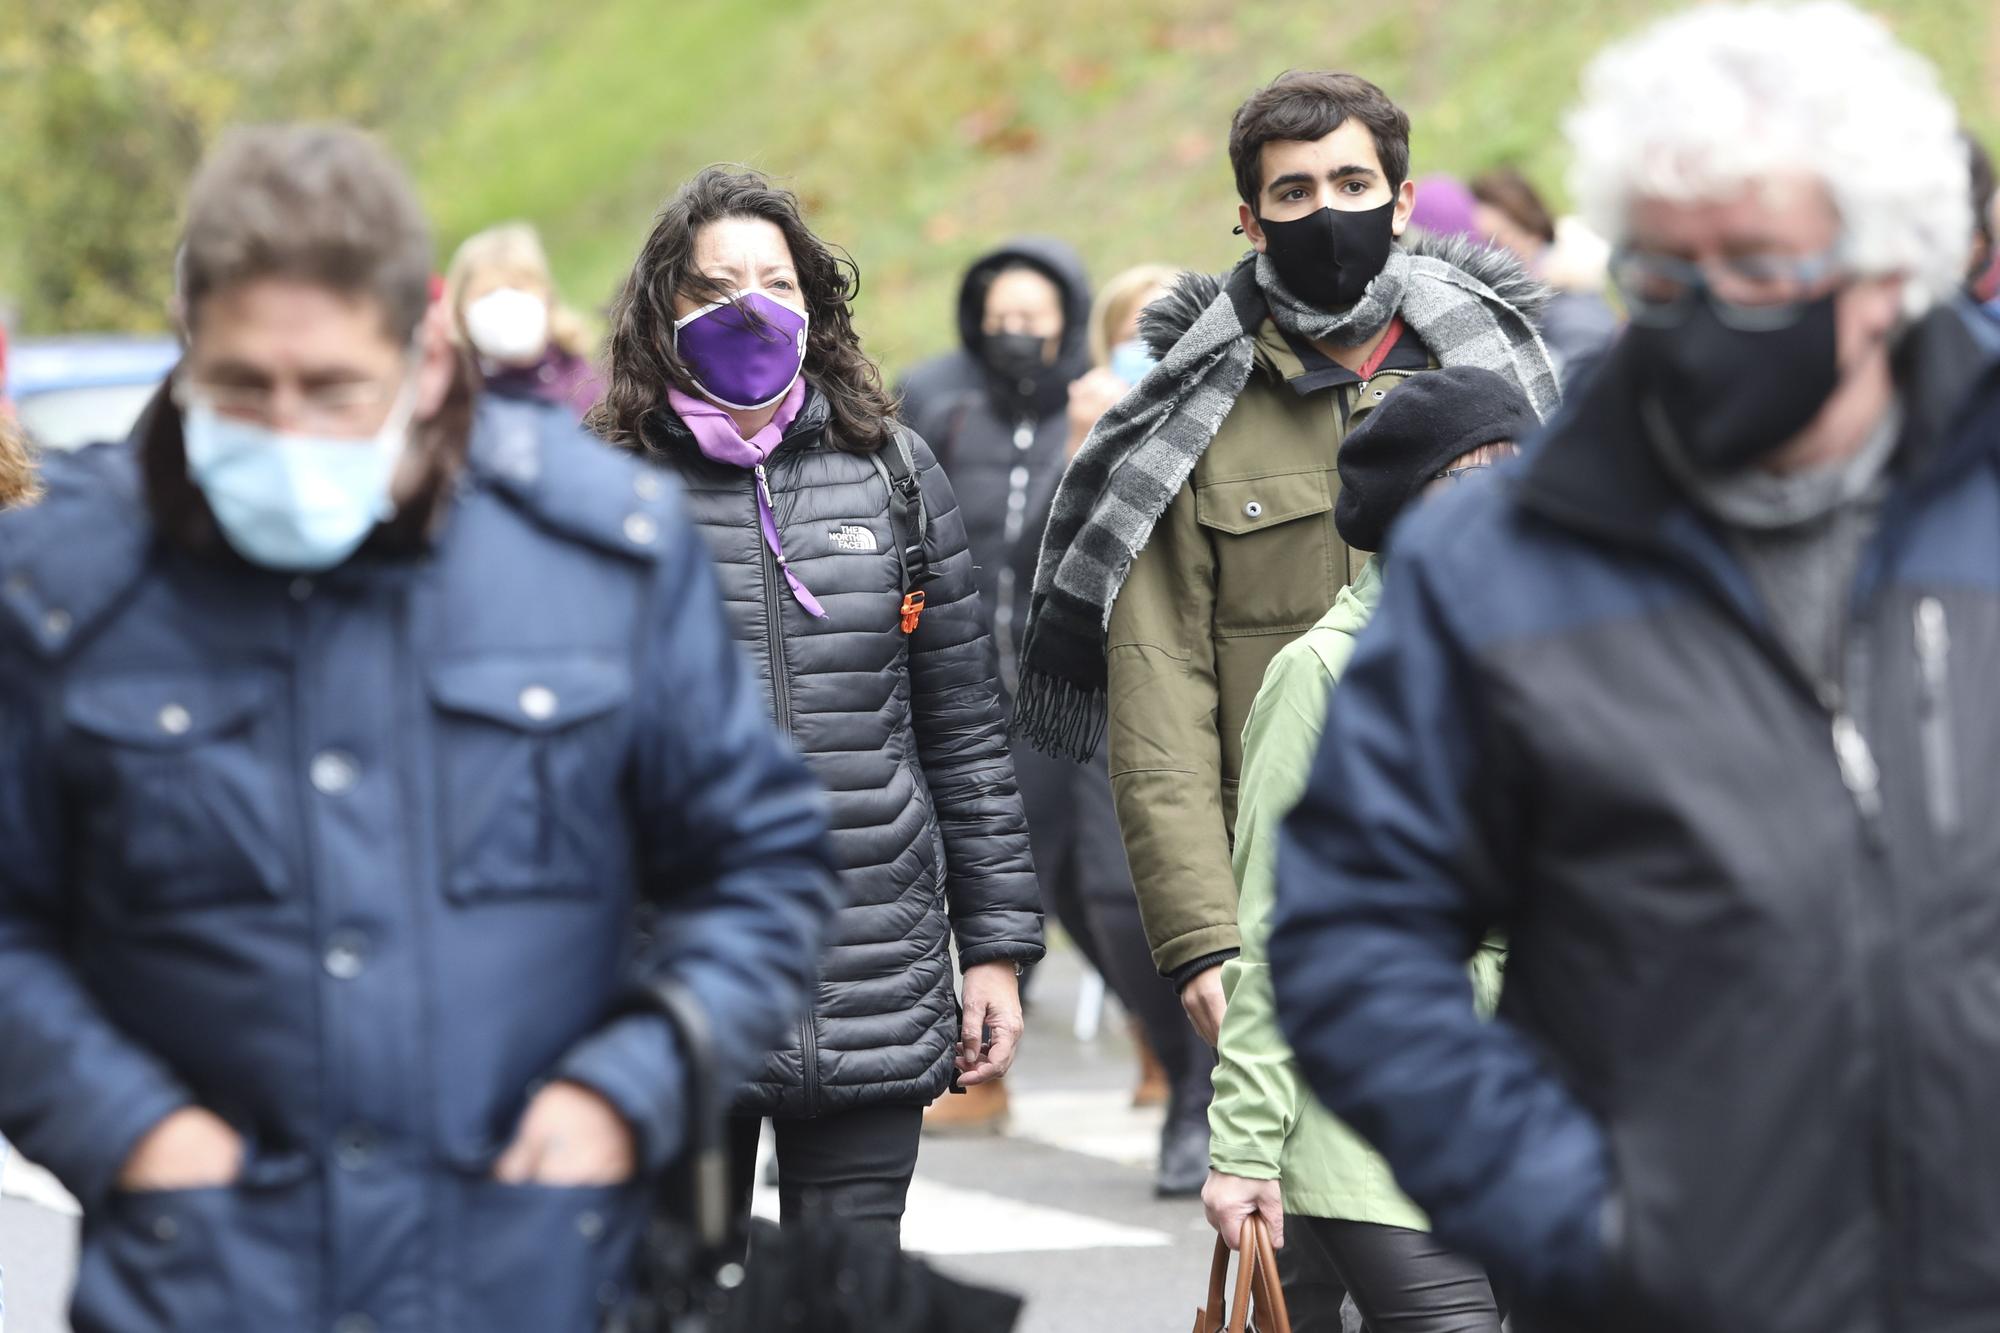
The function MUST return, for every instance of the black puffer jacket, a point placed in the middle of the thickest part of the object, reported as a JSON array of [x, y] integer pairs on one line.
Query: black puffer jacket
[[907, 734]]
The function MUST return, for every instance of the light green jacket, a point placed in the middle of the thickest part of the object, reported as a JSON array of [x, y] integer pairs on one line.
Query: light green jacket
[[1264, 1123]]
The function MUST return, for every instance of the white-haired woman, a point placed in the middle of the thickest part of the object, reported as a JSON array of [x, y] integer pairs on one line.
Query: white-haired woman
[[503, 303]]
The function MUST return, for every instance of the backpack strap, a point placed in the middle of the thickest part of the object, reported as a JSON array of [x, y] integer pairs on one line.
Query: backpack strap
[[909, 520]]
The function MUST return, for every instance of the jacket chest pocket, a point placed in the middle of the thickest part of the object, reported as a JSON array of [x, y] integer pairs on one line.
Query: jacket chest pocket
[[530, 767], [1275, 553], [181, 802]]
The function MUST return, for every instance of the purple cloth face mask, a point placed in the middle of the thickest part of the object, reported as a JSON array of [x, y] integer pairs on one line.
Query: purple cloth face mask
[[738, 364]]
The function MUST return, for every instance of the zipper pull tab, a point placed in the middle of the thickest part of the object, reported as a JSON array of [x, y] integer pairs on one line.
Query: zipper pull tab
[[1933, 644], [1857, 765]]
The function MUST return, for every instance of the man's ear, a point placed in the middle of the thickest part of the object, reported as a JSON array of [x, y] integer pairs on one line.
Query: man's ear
[[1406, 204], [1246, 222], [436, 359]]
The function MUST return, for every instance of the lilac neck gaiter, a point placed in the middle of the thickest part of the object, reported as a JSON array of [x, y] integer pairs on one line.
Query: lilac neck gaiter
[[716, 436]]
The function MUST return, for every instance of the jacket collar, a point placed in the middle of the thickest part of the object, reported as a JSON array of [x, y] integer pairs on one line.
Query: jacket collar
[[1594, 471], [665, 433]]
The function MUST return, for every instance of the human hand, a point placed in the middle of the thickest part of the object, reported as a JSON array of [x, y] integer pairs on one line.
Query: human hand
[[191, 1149], [1090, 397], [569, 1137], [990, 1030], [1228, 1200], [1203, 999]]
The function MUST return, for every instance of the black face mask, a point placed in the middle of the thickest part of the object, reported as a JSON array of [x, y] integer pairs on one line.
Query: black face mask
[[1328, 258], [1017, 363], [1734, 395]]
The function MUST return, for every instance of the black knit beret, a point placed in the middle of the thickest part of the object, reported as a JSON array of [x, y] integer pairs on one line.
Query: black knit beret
[[1428, 421]]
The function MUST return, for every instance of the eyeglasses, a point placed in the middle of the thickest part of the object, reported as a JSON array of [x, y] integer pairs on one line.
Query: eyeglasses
[[334, 409], [1749, 292], [1454, 473]]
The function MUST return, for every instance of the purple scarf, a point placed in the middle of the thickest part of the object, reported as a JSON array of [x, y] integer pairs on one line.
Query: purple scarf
[[715, 434]]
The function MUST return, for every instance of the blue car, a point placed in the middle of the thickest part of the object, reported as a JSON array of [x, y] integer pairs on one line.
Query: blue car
[[73, 391]]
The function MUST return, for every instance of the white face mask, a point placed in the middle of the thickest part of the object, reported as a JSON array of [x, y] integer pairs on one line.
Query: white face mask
[[509, 325]]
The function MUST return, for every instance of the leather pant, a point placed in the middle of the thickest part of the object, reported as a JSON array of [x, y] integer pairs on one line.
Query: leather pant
[[1401, 1281]]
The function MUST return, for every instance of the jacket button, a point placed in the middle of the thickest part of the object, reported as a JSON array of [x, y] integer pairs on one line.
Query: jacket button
[[166, 1230], [354, 1148], [1253, 510], [175, 720], [590, 1225], [300, 589], [346, 955], [354, 1323], [539, 703], [56, 624], [334, 772], [641, 530], [646, 485]]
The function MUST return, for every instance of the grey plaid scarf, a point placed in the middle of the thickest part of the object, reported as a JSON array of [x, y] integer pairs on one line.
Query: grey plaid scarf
[[1142, 451]]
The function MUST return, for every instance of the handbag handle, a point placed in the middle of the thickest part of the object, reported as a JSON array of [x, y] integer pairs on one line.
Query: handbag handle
[[706, 1155], [1272, 1316], [1256, 1284]]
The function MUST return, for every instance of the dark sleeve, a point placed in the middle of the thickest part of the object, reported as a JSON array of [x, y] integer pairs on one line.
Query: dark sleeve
[[76, 1094], [962, 741], [733, 851], [1391, 869]]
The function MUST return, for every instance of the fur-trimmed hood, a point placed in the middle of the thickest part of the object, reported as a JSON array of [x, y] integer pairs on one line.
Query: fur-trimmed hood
[[1165, 320]]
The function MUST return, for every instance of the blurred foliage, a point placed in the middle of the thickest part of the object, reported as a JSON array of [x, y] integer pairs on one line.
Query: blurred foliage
[[919, 132], [109, 104]]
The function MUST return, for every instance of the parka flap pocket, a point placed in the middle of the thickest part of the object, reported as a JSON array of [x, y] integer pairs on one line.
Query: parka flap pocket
[[164, 712], [1238, 507], [531, 694], [530, 750]]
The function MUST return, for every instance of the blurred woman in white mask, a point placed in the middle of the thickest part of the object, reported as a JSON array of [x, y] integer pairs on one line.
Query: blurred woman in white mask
[[504, 307]]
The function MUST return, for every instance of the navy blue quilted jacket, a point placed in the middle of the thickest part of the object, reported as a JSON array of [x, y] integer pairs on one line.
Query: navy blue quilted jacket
[[1748, 1059], [353, 862]]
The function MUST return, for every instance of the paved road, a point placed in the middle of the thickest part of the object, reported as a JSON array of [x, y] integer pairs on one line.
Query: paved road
[[1060, 1208]]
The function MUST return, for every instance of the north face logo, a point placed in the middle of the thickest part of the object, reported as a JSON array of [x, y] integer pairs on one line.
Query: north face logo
[[853, 538]]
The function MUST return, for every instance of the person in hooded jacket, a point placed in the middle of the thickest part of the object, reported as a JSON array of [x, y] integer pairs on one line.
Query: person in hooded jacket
[[995, 412], [845, 567]]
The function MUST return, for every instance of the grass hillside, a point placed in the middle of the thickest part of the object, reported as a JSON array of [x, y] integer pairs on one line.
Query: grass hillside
[[918, 131]]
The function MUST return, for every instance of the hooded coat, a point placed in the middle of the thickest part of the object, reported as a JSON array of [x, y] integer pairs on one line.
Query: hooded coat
[[1002, 443]]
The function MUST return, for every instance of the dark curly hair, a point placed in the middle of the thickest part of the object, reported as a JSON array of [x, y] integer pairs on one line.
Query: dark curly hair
[[642, 360]]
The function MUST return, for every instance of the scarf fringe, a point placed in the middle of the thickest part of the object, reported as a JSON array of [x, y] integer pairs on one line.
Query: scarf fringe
[[1060, 717]]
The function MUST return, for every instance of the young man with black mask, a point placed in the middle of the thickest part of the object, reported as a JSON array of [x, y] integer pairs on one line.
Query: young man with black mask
[[1193, 536]]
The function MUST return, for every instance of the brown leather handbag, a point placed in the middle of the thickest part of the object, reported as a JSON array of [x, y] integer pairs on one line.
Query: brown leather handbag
[[1256, 1284]]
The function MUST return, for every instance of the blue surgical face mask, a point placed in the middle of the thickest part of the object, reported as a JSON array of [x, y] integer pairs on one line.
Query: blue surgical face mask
[[1130, 361], [298, 503]]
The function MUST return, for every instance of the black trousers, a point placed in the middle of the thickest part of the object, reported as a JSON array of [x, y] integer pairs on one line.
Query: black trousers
[[1087, 886], [851, 1167], [1401, 1281]]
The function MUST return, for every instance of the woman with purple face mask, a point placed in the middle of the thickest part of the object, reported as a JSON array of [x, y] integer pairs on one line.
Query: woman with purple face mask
[[843, 563]]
